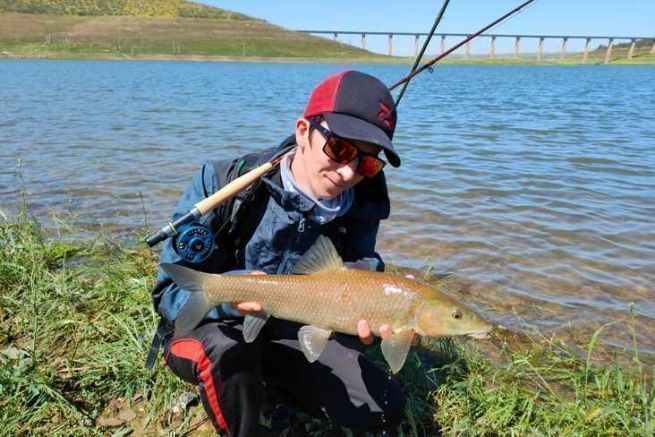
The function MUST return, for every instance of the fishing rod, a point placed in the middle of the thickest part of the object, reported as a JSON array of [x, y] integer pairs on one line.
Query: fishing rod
[[423, 49], [430, 63], [197, 240], [210, 203]]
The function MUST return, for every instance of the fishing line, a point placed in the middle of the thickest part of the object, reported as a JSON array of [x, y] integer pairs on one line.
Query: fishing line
[[509, 19], [424, 48], [513, 17], [458, 45]]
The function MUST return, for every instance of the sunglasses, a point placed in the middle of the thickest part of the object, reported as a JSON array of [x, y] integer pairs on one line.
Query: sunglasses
[[344, 152]]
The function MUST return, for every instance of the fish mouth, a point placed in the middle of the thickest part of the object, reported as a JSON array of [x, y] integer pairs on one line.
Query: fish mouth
[[483, 335]]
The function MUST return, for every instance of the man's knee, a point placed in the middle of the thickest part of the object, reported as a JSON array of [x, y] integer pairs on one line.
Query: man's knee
[[187, 358]]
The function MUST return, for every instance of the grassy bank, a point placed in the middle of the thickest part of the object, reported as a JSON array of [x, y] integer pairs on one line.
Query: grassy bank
[[222, 36], [126, 37], [75, 324]]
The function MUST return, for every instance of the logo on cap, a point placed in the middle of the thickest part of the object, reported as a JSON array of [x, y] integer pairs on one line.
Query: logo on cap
[[385, 115]]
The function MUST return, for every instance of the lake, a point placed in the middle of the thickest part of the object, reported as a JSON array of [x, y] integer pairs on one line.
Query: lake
[[534, 187]]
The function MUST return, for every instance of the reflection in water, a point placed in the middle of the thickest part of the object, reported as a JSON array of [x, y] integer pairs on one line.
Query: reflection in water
[[533, 186]]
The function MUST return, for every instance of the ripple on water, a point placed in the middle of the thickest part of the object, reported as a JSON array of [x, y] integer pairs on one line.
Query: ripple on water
[[535, 186]]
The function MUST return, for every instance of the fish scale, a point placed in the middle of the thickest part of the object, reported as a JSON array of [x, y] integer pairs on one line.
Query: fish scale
[[319, 300], [326, 297]]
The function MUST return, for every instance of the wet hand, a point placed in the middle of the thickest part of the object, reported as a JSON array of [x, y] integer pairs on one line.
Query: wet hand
[[245, 308], [366, 335]]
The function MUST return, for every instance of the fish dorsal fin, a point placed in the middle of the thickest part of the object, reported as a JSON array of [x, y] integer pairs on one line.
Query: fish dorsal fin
[[312, 341], [321, 256], [396, 348], [252, 324]]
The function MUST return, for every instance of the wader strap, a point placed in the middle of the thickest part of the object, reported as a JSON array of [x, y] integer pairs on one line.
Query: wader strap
[[163, 330]]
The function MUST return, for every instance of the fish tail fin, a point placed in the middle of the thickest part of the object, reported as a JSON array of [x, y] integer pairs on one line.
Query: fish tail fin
[[197, 306], [191, 314]]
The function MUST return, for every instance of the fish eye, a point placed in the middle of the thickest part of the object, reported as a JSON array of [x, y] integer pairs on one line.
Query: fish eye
[[457, 314]]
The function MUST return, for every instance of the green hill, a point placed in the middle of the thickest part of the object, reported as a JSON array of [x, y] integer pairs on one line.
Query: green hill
[[152, 29], [140, 8]]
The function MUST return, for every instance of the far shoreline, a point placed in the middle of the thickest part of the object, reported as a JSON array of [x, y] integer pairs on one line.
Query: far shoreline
[[498, 61]]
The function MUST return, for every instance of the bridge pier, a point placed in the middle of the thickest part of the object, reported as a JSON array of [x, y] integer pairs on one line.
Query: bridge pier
[[540, 55], [608, 53], [562, 55], [585, 54], [631, 52]]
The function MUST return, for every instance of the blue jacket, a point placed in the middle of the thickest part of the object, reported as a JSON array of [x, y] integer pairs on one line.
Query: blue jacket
[[282, 235]]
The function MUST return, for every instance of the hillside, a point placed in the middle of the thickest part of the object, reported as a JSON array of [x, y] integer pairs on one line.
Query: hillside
[[152, 29], [140, 8]]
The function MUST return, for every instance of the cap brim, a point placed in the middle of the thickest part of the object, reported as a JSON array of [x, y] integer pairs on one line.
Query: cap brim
[[354, 128]]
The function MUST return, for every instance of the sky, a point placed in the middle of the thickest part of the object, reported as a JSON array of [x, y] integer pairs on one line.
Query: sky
[[548, 17]]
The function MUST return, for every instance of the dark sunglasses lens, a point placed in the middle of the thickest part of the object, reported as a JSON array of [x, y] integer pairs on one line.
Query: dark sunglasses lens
[[340, 150], [369, 166]]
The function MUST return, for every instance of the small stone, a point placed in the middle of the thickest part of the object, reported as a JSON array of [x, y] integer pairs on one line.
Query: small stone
[[183, 401], [122, 432], [110, 422], [14, 353], [127, 415]]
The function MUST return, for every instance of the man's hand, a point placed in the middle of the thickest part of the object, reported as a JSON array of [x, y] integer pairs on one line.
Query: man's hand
[[246, 308], [365, 333]]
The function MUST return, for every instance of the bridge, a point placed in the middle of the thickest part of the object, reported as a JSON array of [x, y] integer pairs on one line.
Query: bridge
[[493, 37]]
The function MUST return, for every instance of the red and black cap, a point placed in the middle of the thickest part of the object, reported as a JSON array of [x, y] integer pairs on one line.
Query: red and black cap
[[357, 106]]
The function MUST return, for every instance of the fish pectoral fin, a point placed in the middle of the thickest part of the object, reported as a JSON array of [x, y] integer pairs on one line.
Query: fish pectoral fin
[[252, 324], [321, 256], [396, 348], [313, 340]]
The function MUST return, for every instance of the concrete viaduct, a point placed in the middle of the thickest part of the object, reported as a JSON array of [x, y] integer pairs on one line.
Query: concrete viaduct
[[492, 46]]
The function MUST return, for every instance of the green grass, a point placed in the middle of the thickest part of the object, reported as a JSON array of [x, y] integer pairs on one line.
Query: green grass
[[76, 320], [54, 36], [222, 37], [151, 8]]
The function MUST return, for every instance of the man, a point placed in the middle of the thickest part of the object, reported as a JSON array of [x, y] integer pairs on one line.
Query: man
[[330, 182]]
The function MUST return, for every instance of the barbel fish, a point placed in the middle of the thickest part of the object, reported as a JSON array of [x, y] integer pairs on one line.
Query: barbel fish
[[327, 297]]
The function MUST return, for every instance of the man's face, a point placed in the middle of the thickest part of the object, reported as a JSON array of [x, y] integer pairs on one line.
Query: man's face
[[315, 172]]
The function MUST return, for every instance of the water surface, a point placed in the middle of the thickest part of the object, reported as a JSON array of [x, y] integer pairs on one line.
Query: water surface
[[535, 186]]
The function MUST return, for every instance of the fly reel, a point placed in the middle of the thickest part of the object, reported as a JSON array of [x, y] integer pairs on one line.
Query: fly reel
[[194, 243]]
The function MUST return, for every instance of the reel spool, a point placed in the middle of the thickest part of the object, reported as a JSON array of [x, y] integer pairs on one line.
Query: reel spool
[[194, 243]]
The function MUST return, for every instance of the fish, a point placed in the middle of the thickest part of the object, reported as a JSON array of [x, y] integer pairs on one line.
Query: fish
[[326, 297]]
